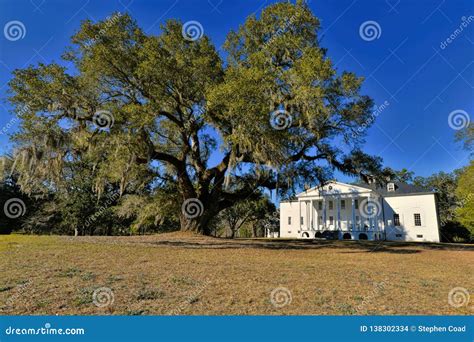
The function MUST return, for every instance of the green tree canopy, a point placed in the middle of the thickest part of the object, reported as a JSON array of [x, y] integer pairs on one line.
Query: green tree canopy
[[465, 194], [144, 111]]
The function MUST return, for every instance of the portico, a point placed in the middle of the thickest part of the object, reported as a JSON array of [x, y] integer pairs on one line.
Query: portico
[[350, 212]]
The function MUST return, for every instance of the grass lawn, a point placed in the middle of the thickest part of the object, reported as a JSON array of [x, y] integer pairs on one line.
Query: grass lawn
[[185, 274]]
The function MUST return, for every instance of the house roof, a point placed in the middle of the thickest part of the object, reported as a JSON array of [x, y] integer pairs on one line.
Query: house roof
[[400, 189]]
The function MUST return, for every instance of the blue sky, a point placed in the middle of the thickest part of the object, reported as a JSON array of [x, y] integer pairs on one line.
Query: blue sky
[[409, 64]]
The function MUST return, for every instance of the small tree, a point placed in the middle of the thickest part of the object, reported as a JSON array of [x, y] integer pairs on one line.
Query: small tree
[[403, 176], [245, 212], [444, 184], [465, 193]]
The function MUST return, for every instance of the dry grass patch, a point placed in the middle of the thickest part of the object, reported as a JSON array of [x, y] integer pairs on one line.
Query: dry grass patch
[[180, 273]]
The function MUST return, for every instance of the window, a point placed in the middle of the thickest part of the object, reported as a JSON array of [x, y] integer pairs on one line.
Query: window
[[301, 220], [331, 220], [398, 235], [289, 220], [419, 236], [356, 204], [320, 205], [330, 205], [343, 204], [390, 187], [357, 219], [396, 220], [417, 219], [289, 232]]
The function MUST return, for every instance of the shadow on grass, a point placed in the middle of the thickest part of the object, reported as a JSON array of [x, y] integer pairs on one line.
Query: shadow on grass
[[345, 246]]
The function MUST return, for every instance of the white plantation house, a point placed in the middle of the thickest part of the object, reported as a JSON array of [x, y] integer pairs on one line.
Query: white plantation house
[[362, 212]]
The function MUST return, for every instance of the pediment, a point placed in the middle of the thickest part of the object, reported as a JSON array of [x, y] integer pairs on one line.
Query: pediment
[[334, 188]]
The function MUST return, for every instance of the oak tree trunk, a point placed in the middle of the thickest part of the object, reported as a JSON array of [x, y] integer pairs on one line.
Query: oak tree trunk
[[198, 224]]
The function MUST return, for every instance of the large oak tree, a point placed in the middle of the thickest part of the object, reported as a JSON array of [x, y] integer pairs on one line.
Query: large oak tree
[[145, 111]]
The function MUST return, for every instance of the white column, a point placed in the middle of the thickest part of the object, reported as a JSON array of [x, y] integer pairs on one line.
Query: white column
[[347, 216], [338, 201], [299, 217], [324, 213], [317, 217], [311, 208], [382, 219], [379, 216], [353, 214], [308, 214], [371, 215]]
